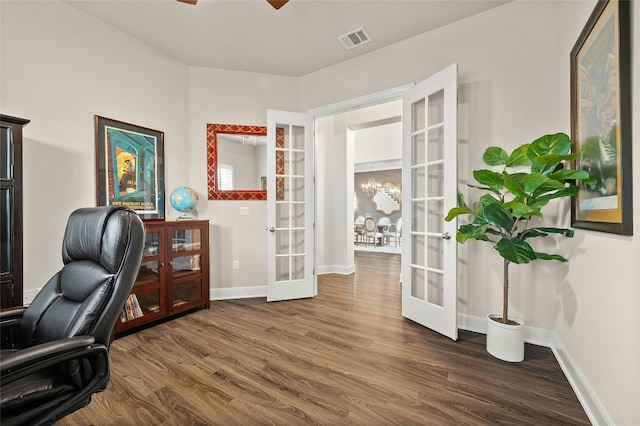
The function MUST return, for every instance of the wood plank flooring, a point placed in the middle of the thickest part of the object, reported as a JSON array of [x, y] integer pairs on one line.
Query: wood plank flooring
[[345, 357]]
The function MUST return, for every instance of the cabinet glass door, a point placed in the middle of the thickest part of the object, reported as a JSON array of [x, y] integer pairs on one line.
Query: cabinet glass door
[[7, 221], [145, 298], [186, 273]]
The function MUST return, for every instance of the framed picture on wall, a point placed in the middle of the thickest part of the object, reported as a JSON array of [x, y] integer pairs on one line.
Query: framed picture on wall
[[130, 167], [601, 120]]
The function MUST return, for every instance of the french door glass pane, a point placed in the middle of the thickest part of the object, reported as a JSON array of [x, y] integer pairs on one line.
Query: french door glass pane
[[436, 180], [297, 267], [297, 138], [297, 189], [417, 250], [435, 288], [418, 115], [418, 213], [417, 283], [436, 108], [282, 242], [436, 215], [418, 182], [436, 146], [418, 149], [434, 253], [282, 268]]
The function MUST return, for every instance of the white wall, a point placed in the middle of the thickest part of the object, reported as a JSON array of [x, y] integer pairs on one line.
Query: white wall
[[227, 97], [59, 67], [378, 143], [514, 86]]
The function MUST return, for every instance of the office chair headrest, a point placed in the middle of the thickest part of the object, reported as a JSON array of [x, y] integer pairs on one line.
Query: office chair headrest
[[90, 236]]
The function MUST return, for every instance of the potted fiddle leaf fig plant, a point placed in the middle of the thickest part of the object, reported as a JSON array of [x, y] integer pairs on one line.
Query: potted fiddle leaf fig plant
[[509, 214]]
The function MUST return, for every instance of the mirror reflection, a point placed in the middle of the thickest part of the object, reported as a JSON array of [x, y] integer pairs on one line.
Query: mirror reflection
[[388, 198], [242, 162]]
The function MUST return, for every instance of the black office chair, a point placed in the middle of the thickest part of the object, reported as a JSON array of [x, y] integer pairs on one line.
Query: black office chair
[[59, 345]]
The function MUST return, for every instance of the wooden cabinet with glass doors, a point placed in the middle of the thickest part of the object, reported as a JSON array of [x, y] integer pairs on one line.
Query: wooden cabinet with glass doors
[[173, 276]]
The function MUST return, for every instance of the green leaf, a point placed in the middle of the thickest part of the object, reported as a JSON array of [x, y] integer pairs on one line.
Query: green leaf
[[551, 185], [518, 178], [496, 215], [562, 231], [533, 181], [513, 186], [487, 199], [531, 233], [489, 178], [457, 211], [544, 231], [558, 143], [566, 174], [518, 157], [495, 156], [521, 210], [472, 232], [461, 202], [516, 251], [543, 200], [547, 164], [547, 152], [547, 256]]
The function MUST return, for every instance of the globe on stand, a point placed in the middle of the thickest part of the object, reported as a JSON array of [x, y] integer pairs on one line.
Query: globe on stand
[[184, 200]]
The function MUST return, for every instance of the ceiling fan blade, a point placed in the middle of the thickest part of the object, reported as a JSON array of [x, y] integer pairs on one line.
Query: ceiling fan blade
[[277, 3], [189, 1]]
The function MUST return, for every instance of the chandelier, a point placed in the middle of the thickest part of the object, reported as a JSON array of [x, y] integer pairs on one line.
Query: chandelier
[[371, 187]]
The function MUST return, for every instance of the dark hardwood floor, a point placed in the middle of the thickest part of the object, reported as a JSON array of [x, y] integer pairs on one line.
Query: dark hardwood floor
[[345, 357]]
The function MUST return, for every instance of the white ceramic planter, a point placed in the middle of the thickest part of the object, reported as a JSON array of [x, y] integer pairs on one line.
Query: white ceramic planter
[[504, 341]]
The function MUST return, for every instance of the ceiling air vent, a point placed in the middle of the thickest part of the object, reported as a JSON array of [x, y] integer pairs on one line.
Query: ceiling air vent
[[354, 38]]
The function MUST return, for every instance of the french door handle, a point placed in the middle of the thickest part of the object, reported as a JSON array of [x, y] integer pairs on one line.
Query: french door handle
[[446, 236], [272, 229]]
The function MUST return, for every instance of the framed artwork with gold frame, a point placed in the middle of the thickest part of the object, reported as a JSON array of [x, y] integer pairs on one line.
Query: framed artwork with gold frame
[[601, 120]]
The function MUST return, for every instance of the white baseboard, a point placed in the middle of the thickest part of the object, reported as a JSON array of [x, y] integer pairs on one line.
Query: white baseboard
[[543, 337], [238, 292], [587, 397], [336, 269]]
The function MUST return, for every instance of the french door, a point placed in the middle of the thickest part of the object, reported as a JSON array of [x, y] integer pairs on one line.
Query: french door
[[290, 206], [429, 181]]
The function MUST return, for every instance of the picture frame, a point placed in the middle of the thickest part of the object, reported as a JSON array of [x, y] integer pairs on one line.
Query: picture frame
[[130, 167], [601, 120]]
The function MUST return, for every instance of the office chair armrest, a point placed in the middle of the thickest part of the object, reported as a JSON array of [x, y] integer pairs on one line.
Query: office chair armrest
[[28, 360], [72, 357], [10, 317]]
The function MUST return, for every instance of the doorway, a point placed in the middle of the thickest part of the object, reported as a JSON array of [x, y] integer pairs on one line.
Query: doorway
[[429, 178], [362, 139]]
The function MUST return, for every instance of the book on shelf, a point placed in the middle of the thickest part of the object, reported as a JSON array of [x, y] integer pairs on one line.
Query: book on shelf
[[132, 309]]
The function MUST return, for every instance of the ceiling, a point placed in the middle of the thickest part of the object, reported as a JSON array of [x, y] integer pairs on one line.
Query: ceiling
[[250, 35]]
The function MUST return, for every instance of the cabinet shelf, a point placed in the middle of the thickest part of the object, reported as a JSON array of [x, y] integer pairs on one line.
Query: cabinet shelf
[[173, 275]]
